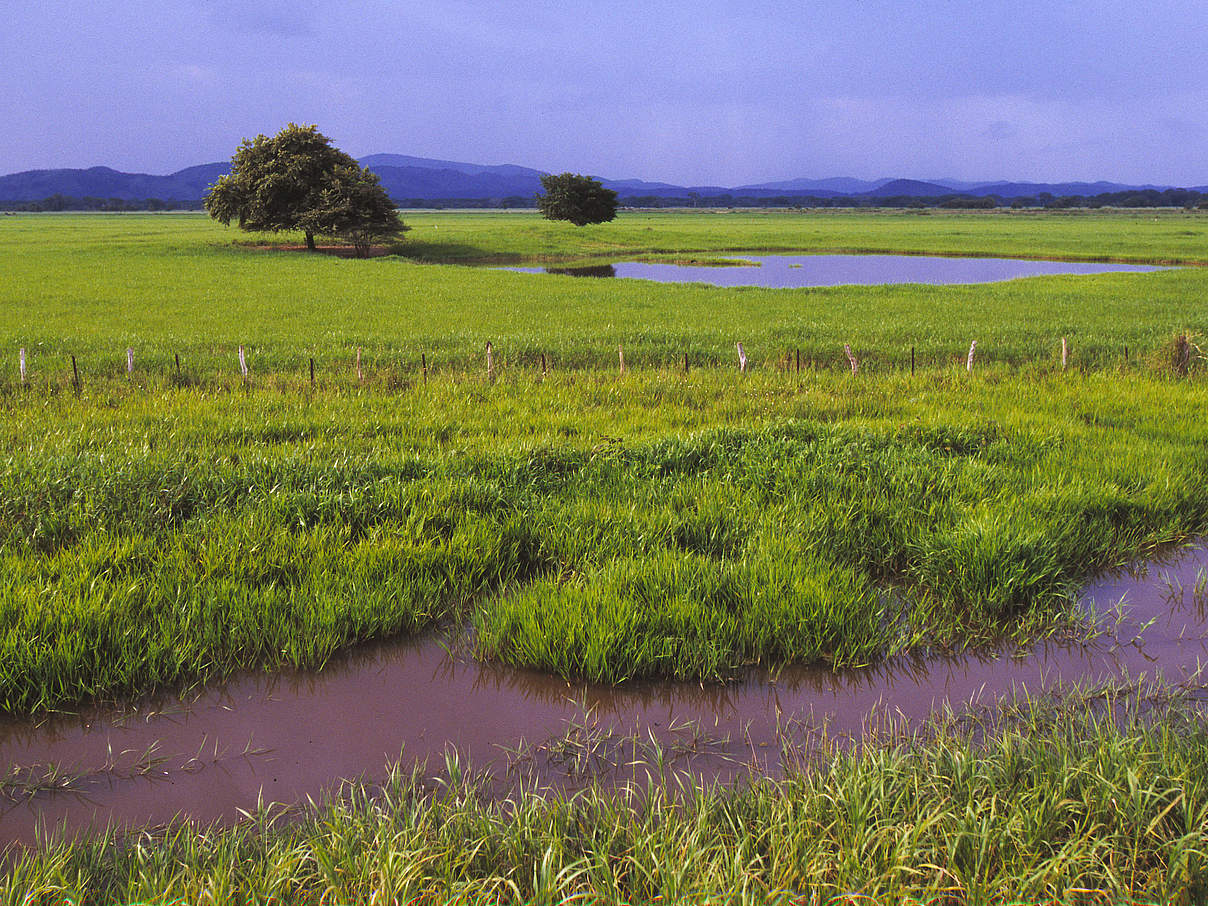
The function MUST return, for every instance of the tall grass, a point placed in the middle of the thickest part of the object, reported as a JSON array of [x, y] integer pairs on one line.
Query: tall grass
[[599, 528], [1060, 804]]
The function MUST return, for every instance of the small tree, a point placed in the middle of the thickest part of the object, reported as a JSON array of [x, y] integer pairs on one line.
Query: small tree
[[579, 199], [297, 180]]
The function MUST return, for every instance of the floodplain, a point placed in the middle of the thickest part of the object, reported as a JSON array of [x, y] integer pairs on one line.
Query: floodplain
[[167, 521]]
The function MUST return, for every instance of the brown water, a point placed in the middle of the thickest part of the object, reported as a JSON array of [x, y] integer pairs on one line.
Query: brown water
[[284, 737]]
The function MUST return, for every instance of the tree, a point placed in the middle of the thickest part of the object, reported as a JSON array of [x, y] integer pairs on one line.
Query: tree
[[297, 180], [579, 199], [353, 206]]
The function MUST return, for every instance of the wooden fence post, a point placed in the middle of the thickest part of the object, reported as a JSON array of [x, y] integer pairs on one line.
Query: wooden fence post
[[423, 364], [912, 361], [855, 366], [969, 361], [360, 377], [1064, 354], [242, 363], [22, 364], [75, 375], [177, 357], [544, 367], [685, 363], [621, 356], [312, 372], [742, 359], [490, 361], [129, 360]]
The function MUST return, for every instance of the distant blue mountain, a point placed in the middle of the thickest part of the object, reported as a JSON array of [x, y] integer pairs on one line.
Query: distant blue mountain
[[412, 178], [835, 185], [908, 187]]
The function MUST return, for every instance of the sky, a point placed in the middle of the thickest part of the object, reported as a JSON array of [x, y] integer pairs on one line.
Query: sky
[[692, 92]]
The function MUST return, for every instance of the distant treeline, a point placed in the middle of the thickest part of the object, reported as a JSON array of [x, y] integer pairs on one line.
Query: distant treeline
[[1145, 198], [91, 203]]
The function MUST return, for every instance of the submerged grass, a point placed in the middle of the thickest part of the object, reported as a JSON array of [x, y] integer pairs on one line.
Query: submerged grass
[[599, 528], [1063, 803]]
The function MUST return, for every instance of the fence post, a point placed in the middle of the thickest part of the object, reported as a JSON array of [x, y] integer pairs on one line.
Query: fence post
[[423, 364], [129, 360], [742, 359], [242, 363], [490, 361], [621, 356], [1064, 354], [360, 377], [969, 362], [544, 366], [177, 357], [912, 361], [312, 373], [75, 375], [22, 366], [855, 366]]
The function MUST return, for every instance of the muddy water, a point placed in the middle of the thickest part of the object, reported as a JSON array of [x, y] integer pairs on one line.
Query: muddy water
[[292, 735]]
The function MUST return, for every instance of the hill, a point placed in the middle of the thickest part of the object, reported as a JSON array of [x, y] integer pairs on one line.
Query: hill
[[410, 179]]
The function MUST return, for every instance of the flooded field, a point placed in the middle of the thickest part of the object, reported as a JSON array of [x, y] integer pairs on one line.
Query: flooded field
[[288, 736], [797, 271]]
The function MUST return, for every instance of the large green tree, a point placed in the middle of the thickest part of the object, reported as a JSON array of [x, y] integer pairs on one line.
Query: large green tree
[[297, 180], [579, 199]]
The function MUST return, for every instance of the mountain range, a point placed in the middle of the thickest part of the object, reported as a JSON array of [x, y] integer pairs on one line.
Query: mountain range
[[412, 179]]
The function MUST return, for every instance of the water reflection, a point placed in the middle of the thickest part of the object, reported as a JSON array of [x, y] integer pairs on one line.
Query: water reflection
[[595, 270]]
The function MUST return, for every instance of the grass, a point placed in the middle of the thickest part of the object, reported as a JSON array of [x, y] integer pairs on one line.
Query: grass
[[167, 285], [169, 527], [1064, 802], [611, 529]]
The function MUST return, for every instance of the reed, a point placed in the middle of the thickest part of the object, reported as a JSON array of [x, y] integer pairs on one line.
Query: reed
[[1062, 802]]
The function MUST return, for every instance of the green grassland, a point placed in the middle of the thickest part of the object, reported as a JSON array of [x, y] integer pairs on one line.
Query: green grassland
[[654, 525], [168, 528], [91, 286]]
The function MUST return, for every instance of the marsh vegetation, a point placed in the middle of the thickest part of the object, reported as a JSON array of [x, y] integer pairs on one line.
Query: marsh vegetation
[[166, 525]]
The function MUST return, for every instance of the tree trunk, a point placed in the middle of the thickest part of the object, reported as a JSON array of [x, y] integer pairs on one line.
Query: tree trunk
[[310, 240]]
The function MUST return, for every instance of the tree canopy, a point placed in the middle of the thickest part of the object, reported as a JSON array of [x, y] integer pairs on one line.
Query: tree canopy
[[579, 199], [297, 180]]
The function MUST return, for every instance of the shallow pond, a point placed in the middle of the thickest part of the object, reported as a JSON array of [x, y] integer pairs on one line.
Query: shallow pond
[[796, 271], [291, 735]]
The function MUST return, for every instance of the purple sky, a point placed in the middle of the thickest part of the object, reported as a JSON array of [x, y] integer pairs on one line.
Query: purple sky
[[698, 92]]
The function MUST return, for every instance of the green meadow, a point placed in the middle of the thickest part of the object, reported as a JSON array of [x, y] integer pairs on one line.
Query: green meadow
[[170, 526], [168, 285]]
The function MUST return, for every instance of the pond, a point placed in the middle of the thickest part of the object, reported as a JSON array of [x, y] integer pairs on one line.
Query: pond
[[797, 271], [284, 737]]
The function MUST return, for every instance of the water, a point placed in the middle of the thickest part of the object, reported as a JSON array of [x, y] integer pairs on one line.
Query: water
[[291, 735], [796, 271]]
